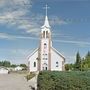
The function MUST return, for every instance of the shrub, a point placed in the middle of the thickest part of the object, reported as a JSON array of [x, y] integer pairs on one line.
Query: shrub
[[63, 80], [30, 76]]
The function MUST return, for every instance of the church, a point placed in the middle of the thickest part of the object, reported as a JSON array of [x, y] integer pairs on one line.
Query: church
[[46, 57]]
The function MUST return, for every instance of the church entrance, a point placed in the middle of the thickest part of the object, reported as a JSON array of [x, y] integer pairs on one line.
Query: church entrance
[[45, 66]]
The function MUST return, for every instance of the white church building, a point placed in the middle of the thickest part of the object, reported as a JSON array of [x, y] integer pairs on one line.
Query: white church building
[[46, 57]]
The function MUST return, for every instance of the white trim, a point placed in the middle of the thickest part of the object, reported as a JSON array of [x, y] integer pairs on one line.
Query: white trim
[[33, 52]]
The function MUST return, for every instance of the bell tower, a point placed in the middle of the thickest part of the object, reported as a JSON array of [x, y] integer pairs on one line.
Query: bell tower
[[45, 45]]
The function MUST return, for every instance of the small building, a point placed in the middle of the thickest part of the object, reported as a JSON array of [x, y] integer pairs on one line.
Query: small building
[[11, 69], [3, 70], [18, 68]]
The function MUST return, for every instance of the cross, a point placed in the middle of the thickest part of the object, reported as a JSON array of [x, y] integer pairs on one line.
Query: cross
[[46, 7]]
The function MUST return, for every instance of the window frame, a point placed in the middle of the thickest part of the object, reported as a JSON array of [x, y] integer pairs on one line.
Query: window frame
[[34, 64]]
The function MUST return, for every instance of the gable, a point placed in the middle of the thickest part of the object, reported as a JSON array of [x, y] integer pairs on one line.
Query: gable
[[58, 53], [35, 51]]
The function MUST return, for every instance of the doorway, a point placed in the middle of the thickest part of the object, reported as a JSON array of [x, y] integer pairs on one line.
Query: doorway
[[45, 66]]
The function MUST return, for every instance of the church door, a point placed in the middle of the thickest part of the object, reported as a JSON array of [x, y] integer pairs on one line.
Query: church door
[[44, 66]]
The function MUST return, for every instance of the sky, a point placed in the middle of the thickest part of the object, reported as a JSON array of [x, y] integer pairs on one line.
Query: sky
[[21, 21]]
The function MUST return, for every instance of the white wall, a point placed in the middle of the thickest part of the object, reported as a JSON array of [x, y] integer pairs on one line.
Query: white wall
[[32, 59], [3, 71], [18, 68], [56, 58]]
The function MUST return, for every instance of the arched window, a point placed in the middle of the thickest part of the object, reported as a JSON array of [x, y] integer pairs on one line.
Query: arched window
[[46, 34], [45, 45], [34, 64], [43, 34], [57, 64], [29, 63]]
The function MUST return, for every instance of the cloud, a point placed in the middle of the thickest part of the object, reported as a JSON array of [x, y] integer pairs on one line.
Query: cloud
[[58, 35], [14, 2], [4, 36], [73, 42], [22, 52], [55, 20], [16, 13], [14, 37]]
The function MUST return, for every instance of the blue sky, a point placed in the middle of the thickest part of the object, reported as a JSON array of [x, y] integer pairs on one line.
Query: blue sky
[[21, 21]]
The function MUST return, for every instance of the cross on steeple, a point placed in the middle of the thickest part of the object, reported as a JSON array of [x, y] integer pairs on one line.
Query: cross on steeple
[[46, 23], [46, 7]]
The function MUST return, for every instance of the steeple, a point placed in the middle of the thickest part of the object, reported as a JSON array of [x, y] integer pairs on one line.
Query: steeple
[[46, 23]]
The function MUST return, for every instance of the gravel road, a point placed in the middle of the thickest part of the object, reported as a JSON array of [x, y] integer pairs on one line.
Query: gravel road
[[14, 82]]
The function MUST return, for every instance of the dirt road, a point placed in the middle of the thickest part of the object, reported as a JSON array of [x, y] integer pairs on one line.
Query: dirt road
[[14, 82]]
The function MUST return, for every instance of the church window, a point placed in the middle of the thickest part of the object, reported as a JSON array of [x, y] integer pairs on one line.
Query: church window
[[46, 34], [44, 43], [57, 64], [43, 34], [29, 63], [45, 68], [46, 58], [46, 54], [34, 64], [43, 58]]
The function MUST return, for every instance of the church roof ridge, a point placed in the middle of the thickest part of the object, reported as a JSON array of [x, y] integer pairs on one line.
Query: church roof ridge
[[58, 52], [32, 52]]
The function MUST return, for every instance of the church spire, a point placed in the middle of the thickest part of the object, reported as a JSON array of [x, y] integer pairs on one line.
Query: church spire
[[46, 23]]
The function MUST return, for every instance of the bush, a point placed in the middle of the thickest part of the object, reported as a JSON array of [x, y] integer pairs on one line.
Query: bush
[[64, 80], [30, 76]]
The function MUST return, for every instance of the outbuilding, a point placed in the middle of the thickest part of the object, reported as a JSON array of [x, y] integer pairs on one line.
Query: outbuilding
[[3, 70]]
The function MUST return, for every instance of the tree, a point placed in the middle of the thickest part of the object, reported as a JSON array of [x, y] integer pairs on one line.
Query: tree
[[86, 62], [67, 67], [24, 66], [87, 59], [5, 63], [13, 65], [1, 63], [78, 62]]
